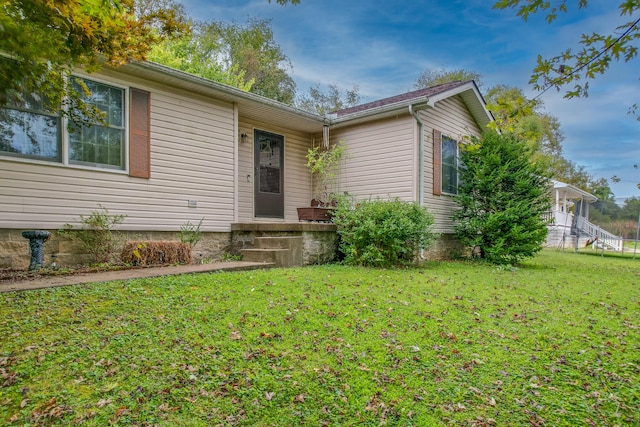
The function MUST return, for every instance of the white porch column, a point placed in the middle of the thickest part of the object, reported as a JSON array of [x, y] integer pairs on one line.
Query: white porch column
[[586, 211]]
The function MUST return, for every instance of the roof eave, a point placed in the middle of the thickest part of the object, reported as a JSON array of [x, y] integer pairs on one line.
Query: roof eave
[[478, 108], [294, 117], [573, 189], [380, 112]]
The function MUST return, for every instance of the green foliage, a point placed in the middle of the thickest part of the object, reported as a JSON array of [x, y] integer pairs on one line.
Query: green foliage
[[382, 233], [190, 233], [42, 42], [514, 113], [95, 235], [450, 344], [324, 102], [228, 257], [324, 164], [248, 52], [194, 53], [597, 51], [502, 199]]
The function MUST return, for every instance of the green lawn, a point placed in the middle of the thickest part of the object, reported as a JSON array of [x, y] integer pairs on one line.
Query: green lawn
[[553, 343]]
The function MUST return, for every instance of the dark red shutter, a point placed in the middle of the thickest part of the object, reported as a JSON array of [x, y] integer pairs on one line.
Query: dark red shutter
[[437, 162], [140, 134]]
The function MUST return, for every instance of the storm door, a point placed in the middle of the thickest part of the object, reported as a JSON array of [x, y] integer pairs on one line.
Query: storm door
[[269, 174]]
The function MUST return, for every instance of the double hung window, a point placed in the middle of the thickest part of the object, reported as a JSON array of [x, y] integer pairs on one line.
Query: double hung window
[[28, 131], [446, 162], [449, 165]]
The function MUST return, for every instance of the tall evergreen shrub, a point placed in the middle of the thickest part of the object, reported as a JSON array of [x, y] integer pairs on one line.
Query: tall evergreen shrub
[[502, 199]]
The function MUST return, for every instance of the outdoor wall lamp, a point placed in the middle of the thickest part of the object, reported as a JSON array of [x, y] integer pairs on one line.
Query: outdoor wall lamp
[[243, 138]]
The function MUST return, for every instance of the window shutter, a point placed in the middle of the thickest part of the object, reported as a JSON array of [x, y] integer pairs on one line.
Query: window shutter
[[140, 134], [437, 162]]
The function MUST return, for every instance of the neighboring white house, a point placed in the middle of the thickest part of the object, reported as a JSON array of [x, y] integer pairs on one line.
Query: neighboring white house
[[569, 225], [181, 148]]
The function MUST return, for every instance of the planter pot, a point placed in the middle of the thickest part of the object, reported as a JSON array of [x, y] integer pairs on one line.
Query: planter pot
[[314, 214]]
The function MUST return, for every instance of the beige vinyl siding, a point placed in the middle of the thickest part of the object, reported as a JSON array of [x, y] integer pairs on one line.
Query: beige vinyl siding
[[297, 180], [192, 158], [452, 118], [380, 159]]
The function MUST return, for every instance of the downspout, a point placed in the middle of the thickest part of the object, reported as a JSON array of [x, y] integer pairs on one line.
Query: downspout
[[413, 110]]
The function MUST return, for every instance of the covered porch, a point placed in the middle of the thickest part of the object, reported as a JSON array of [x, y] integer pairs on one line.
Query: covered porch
[[569, 224], [570, 204]]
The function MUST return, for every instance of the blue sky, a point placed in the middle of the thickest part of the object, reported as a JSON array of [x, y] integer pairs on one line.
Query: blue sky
[[382, 46]]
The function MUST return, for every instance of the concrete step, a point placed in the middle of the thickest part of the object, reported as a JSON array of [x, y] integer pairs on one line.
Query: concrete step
[[278, 257], [284, 251], [277, 242]]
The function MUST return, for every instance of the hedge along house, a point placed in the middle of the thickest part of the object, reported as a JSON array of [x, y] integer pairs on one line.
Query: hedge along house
[[181, 148]]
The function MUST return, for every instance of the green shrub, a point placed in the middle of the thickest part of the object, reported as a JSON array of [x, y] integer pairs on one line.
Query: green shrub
[[503, 197], [190, 233], [381, 233], [95, 235]]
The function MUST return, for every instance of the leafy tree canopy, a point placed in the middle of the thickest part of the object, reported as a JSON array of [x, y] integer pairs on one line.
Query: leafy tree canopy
[[241, 55], [333, 99], [597, 50], [502, 198], [198, 53], [43, 41], [252, 50]]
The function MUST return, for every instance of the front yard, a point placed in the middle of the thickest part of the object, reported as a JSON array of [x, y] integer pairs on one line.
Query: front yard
[[553, 343]]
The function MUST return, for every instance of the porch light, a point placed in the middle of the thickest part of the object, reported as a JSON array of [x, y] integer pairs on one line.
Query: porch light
[[243, 138]]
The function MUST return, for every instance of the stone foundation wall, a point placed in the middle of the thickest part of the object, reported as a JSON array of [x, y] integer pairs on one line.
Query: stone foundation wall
[[445, 247], [15, 254], [319, 243]]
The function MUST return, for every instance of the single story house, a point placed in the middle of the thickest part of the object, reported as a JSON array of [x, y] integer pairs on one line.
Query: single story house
[[569, 225], [182, 148]]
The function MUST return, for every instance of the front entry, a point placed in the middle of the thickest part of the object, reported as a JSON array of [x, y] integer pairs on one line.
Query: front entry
[[269, 174]]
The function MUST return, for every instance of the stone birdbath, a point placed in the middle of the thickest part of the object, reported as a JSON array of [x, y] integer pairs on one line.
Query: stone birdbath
[[36, 244]]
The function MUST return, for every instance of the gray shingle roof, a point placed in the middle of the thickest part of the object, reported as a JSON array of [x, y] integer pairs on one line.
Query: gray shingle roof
[[430, 91]]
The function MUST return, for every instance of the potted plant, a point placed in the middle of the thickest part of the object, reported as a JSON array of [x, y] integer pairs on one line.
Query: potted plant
[[324, 165]]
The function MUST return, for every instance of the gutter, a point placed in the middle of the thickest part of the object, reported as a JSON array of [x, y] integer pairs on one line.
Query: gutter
[[413, 110]]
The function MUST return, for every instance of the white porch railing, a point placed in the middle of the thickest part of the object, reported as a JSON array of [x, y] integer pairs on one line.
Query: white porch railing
[[599, 236]]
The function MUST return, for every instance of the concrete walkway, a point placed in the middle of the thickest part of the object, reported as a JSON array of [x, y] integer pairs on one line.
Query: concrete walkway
[[136, 273]]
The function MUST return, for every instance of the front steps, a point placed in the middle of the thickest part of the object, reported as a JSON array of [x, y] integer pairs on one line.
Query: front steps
[[282, 251]]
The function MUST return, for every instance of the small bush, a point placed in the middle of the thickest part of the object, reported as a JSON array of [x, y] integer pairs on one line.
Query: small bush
[[382, 233], [95, 235], [156, 252], [190, 233]]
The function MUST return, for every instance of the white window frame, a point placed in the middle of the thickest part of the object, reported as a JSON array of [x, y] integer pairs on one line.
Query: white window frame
[[456, 165], [64, 136]]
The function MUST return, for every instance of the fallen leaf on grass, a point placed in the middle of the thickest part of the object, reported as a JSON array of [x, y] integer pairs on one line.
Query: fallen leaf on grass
[[299, 398], [103, 402], [235, 335], [269, 395]]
